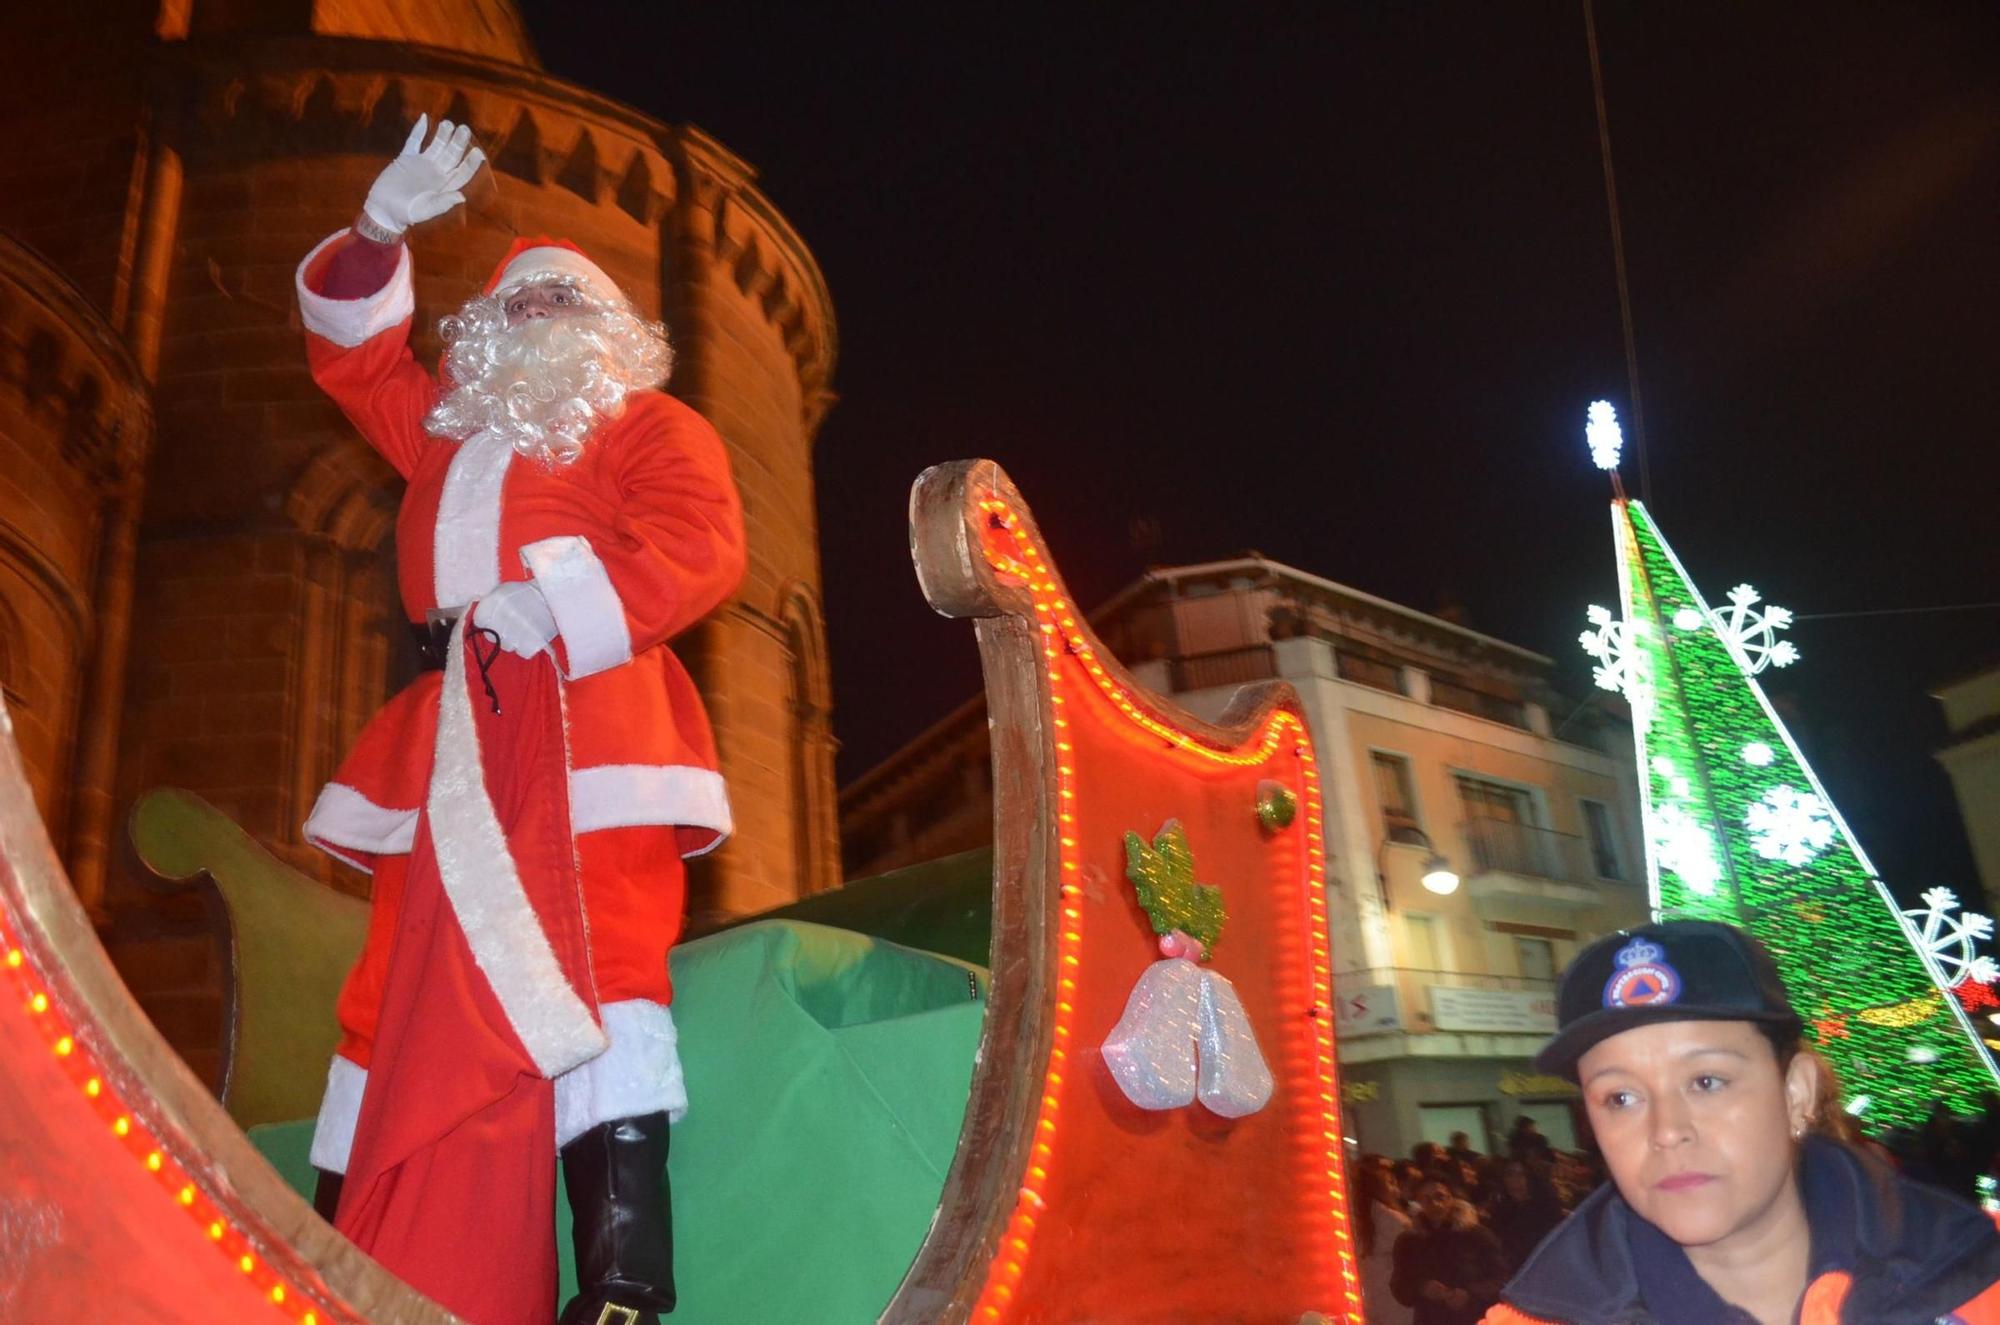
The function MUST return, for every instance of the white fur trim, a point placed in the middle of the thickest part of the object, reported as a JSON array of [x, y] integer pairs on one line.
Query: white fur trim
[[339, 1111], [625, 795], [349, 322], [639, 1074], [466, 545], [344, 820], [484, 888], [589, 613], [535, 264]]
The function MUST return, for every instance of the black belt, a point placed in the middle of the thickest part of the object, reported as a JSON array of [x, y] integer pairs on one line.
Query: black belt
[[433, 637]]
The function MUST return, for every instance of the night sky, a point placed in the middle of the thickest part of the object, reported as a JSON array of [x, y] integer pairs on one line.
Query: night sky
[[1335, 284]]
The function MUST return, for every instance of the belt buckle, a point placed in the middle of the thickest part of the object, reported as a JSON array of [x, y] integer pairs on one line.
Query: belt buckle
[[623, 1315], [443, 617]]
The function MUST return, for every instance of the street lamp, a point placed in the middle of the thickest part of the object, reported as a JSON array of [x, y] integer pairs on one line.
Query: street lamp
[[1438, 876]]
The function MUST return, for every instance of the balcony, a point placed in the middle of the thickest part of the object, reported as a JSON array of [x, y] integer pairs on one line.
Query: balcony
[[1521, 860], [1369, 672], [1228, 667], [1449, 694]]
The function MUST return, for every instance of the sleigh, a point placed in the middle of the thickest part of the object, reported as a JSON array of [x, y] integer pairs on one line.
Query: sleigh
[[1071, 1129]]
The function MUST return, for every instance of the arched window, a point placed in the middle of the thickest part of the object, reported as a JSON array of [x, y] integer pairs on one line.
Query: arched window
[[353, 650], [815, 811]]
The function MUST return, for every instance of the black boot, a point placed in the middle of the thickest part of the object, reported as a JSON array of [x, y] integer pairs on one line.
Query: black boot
[[616, 1177], [326, 1195]]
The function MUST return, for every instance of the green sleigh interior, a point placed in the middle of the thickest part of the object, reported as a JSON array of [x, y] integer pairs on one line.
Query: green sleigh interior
[[828, 1049]]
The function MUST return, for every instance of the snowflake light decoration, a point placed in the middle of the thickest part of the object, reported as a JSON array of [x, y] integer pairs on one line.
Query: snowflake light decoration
[[1682, 845], [1788, 825], [1603, 435], [1750, 631], [1611, 645], [1949, 944]]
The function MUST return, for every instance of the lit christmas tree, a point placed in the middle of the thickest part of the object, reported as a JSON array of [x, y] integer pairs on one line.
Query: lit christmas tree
[[1738, 829]]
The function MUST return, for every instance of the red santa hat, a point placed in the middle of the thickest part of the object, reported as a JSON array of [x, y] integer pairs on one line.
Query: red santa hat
[[540, 258]]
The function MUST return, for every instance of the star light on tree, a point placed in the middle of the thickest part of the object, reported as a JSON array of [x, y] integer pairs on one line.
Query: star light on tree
[[1789, 825], [1949, 943], [1603, 435], [1750, 631]]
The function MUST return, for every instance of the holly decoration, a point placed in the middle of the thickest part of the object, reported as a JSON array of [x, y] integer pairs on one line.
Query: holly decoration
[[1163, 875]]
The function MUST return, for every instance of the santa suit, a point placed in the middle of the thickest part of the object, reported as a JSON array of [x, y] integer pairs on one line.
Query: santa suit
[[629, 545]]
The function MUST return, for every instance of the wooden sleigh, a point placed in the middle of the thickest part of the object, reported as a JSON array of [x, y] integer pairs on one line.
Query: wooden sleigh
[[129, 1192]]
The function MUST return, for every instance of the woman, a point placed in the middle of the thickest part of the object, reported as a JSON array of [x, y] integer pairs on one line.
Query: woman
[[1447, 1267], [1382, 1222], [1726, 1205], [1523, 1212]]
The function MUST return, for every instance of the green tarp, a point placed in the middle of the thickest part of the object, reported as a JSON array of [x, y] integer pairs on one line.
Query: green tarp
[[943, 905], [827, 1076]]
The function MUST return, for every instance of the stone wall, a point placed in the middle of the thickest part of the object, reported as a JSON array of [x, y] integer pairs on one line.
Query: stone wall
[[75, 424]]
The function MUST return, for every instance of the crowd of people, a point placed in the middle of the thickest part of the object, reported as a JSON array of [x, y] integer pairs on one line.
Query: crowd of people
[[1949, 1151], [1441, 1231]]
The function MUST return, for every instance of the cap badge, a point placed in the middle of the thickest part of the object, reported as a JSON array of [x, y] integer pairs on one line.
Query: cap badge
[[1643, 978]]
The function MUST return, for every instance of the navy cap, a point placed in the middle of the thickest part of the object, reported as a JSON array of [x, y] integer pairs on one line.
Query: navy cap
[[1678, 970]]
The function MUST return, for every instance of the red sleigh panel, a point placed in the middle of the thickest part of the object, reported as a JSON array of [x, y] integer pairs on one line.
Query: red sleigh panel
[[1067, 1201], [124, 1186]]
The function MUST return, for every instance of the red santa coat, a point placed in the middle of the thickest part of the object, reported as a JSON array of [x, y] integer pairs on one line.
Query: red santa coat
[[632, 543]]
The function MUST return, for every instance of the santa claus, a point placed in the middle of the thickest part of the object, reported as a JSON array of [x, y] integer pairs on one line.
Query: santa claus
[[525, 805]]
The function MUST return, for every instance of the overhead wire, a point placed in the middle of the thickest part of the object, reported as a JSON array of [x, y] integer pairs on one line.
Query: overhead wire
[[1638, 411]]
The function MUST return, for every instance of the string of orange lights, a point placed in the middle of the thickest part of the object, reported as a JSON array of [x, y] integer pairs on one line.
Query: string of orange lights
[[287, 1299]]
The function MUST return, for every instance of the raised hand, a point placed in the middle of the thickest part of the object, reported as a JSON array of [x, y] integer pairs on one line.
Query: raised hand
[[422, 182]]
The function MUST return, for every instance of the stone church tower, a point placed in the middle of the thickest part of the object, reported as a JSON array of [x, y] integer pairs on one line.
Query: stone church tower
[[195, 548]]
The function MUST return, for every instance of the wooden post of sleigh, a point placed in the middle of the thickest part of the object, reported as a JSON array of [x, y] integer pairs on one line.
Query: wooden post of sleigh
[[1157, 1180]]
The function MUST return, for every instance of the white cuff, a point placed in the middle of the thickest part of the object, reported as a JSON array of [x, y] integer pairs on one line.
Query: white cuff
[[590, 616], [639, 1074], [348, 322], [343, 820], [626, 795], [339, 1111]]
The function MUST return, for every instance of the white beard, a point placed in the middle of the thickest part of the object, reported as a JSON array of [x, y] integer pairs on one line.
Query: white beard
[[547, 383]]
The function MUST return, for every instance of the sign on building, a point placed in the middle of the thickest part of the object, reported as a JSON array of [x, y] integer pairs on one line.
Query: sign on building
[[1501, 1011], [1366, 1010]]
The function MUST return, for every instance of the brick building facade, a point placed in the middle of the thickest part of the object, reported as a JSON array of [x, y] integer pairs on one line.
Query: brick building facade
[[196, 550]]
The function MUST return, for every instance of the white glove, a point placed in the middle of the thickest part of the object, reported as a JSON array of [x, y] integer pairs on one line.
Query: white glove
[[424, 182], [519, 615]]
